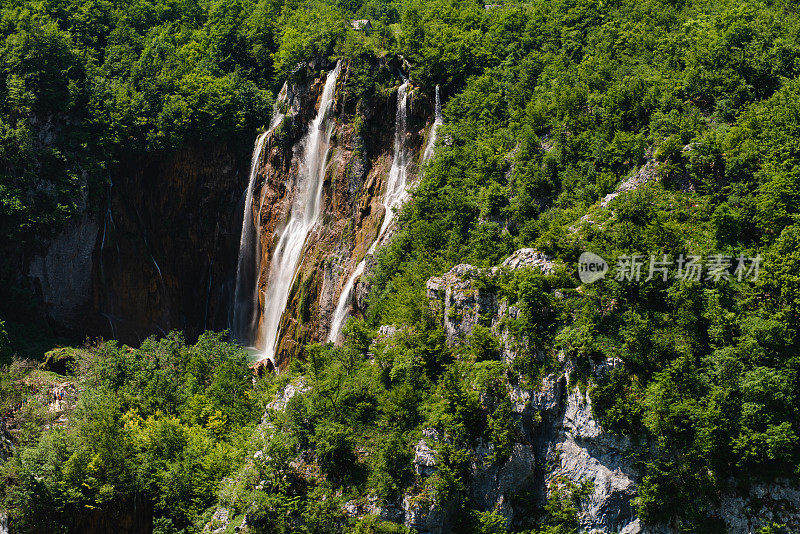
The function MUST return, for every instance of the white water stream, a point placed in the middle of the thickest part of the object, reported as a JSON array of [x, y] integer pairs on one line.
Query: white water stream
[[303, 215], [245, 296], [393, 197], [437, 121]]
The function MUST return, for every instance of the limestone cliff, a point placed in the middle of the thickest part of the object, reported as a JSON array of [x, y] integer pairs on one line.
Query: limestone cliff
[[160, 251], [355, 174]]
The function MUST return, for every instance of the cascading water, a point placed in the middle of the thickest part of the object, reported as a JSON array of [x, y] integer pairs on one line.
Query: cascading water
[[393, 196], [245, 296], [437, 121], [343, 306], [395, 192], [4, 524], [303, 215]]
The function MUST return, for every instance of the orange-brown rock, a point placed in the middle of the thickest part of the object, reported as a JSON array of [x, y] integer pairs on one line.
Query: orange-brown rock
[[352, 212]]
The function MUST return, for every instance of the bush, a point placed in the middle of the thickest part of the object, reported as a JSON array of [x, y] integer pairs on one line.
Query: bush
[[334, 446], [483, 344]]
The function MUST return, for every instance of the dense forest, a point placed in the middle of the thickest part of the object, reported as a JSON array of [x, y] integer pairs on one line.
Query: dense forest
[[549, 105]]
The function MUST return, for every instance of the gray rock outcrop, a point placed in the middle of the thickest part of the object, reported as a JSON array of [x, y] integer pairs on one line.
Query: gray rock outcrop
[[585, 453], [63, 275], [462, 304], [647, 172]]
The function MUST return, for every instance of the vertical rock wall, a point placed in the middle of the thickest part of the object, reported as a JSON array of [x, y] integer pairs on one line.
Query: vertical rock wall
[[352, 211], [165, 254], [160, 253]]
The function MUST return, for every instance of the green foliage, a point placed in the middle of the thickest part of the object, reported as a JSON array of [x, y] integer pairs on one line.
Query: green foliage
[[312, 30], [773, 528], [503, 432], [483, 344], [490, 522], [449, 483], [392, 471], [458, 411], [334, 448], [549, 106], [136, 432]]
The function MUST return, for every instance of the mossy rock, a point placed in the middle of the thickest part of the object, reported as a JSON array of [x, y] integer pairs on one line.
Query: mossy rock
[[61, 360]]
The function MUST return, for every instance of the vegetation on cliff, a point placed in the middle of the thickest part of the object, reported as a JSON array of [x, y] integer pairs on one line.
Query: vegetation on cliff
[[158, 426], [550, 105]]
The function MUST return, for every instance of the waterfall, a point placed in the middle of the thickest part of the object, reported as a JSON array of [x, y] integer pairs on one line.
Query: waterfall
[[393, 196], [4, 524], [395, 192], [245, 296], [303, 215], [343, 306], [437, 121]]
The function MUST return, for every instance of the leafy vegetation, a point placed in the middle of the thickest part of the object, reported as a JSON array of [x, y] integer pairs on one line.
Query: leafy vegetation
[[160, 425], [550, 105]]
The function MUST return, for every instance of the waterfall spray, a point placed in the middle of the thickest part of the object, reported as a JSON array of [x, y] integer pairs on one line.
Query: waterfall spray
[[437, 121], [245, 296], [303, 215], [393, 197]]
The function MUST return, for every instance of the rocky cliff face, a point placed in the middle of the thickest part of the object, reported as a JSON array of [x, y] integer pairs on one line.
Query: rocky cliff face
[[62, 276], [352, 211], [160, 253], [559, 443], [166, 248]]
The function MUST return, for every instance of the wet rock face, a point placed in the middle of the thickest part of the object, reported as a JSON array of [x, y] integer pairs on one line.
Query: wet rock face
[[155, 254], [159, 251], [167, 243], [352, 210], [62, 276]]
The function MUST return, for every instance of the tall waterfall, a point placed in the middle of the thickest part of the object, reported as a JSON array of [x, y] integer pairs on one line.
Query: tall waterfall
[[303, 215], [343, 306], [437, 121], [4, 524], [393, 196], [245, 298]]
